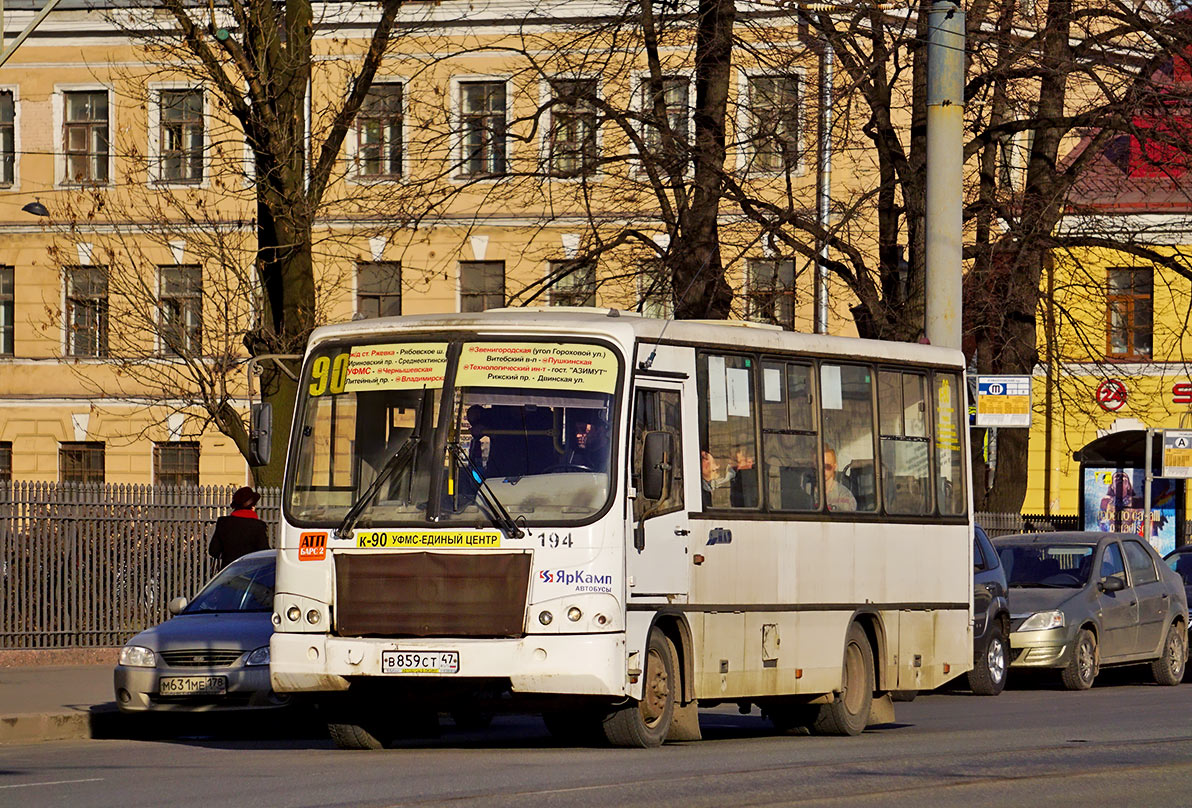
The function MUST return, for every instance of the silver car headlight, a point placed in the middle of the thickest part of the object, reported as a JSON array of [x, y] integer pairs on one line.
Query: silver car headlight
[[1042, 621], [137, 656], [259, 656]]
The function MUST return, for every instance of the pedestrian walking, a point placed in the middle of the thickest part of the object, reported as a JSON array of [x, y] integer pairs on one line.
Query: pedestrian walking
[[241, 532]]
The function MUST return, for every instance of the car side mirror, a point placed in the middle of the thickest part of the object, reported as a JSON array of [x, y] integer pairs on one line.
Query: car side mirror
[[1112, 584], [177, 605], [657, 470], [260, 434]]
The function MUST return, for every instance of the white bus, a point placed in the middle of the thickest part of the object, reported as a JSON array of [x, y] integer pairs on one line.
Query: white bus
[[613, 520]]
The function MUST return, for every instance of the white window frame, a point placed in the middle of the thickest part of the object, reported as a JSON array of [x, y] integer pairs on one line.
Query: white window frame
[[154, 151], [745, 151], [457, 134], [545, 93], [162, 352], [546, 274], [635, 105], [352, 140], [16, 136], [58, 110]]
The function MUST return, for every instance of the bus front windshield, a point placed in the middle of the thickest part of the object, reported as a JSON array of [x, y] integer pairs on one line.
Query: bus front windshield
[[528, 426]]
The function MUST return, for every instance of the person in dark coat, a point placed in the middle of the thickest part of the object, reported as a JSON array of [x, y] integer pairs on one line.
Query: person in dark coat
[[240, 533]]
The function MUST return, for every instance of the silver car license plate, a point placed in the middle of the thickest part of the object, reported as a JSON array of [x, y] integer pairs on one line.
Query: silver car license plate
[[415, 662], [192, 685]]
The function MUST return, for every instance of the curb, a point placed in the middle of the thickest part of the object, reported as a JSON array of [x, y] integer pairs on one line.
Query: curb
[[100, 721]]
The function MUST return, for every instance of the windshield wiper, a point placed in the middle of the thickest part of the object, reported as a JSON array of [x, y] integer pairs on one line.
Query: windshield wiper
[[497, 512], [397, 461]]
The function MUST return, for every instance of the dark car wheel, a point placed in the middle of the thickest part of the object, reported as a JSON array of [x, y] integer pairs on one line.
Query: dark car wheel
[[1082, 665], [988, 676], [1168, 669]]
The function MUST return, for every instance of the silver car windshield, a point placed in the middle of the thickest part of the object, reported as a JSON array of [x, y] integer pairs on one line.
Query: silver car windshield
[[1047, 565], [245, 585]]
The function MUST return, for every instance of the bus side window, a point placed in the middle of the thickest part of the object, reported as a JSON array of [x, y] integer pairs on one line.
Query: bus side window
[[949, 465], [846, 402], [790, 440], [902, 425], [728, 431], [657, 410]]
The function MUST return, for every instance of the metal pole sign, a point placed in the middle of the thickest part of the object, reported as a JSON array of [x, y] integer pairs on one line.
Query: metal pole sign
[[1177, 453], [1004, 401]]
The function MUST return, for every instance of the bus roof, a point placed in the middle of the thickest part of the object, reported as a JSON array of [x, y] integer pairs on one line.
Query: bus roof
[[624, 326]]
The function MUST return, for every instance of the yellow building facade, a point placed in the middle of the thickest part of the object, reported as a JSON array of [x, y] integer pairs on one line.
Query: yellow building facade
[[124, 308]]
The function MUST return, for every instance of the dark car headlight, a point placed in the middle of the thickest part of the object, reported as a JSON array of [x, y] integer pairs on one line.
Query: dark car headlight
[[259, 656], [137, 656]]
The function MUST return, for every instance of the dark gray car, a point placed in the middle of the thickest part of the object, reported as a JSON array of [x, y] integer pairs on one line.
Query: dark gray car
[[1180, 560], [1081, 601], [213, 654], [991, 619]]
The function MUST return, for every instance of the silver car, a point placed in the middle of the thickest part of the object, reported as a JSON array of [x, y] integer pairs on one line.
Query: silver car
[[213, 654], [1080, 601]]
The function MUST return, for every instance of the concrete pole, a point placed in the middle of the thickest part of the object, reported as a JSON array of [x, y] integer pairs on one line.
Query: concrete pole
[[945, 160]]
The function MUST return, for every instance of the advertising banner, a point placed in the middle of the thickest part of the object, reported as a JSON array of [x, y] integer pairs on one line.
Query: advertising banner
[[1113, 502]]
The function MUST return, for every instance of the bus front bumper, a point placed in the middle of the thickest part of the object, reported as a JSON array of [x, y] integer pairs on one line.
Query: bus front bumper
[[578, 664]]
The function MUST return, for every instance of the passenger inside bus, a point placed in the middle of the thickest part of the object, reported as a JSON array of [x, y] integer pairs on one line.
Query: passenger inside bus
[[588, 444], [837, 496]]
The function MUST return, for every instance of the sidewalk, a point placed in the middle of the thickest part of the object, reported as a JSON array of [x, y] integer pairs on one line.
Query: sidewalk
[[44, 699]]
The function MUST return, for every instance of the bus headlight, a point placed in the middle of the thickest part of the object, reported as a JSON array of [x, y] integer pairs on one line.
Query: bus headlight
[[545, 617], [313, 616], [574, 614], [294, 614]]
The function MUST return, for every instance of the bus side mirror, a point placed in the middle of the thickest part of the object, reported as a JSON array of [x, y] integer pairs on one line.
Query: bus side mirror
[[260, 434], [656, 465]]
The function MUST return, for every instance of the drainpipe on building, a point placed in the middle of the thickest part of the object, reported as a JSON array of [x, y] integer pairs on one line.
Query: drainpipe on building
[[823, 185]]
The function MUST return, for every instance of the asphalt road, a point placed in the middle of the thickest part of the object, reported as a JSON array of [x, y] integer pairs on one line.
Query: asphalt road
[[1126, 742]]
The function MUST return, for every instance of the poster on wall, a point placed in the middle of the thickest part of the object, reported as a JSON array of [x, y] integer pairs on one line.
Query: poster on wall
[[1113, 501]]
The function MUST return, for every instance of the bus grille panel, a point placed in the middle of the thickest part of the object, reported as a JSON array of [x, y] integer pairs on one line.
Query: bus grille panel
[[425, 594]]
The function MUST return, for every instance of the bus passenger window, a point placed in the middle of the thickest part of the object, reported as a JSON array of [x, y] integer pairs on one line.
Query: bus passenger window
[[906, 453], [657, 411], [846, 406], [790, 442], [727, 439], [950, 488]]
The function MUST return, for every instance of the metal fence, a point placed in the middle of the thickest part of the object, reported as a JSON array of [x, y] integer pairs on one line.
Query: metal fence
[[91, 565]]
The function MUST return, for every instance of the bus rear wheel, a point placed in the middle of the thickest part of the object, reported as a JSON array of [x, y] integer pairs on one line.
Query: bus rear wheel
[[354, 736], [848, 714], [645, 723]]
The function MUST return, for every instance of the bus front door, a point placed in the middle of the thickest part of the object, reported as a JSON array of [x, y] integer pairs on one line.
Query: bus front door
[[658, 563]]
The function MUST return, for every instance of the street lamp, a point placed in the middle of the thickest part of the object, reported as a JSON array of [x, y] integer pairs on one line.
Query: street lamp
[[36, 208]]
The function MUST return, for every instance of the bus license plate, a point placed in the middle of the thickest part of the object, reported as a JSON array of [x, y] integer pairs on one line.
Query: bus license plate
[[420, 661], [193, 686]]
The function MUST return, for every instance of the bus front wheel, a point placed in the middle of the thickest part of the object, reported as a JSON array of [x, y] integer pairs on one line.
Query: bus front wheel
[[848, 713], [645, 723]]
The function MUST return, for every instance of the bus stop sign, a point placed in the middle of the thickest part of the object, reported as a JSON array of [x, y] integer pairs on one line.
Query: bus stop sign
[[1177, 453]]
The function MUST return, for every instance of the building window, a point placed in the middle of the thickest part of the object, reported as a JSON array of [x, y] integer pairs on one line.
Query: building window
[[573, 128], [5, 461], [7, 311], [180, 135], [482, 119], [176, 463], [80, 462], [675, 111], [379, 133], [181, 310], [770, 293], [85, 136], [482, 285], [378, 289], [574, 283], [1130, 318], [774, 109], [8, 142], [87, 311], [655, 297]]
